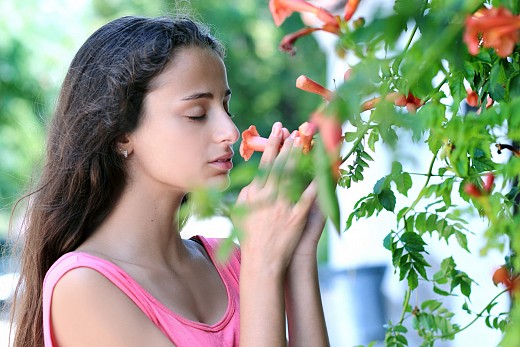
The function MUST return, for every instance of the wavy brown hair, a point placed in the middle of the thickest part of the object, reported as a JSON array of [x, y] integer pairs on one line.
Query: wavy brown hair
[[83, 175]]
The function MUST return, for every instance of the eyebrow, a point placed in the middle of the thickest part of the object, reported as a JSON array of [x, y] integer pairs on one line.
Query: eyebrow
[[205, 95]]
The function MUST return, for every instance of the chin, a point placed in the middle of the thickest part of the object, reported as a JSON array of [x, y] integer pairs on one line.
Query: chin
[[220, 183]]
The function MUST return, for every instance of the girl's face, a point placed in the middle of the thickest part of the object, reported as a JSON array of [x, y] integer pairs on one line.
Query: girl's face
[[186, 134]]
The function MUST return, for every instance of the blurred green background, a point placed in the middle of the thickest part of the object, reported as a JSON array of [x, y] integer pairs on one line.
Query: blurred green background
[[38, 39]]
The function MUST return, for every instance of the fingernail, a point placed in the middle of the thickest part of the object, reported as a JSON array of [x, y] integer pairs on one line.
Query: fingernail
[[277, 129], [293, 134], [298, 142]]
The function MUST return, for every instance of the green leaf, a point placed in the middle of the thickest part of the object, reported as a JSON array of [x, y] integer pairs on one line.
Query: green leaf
[[401, 213], [402, 339], [403, 183], [456, 84], [462, 240], [431, 304], [350, 136], [373, 138], [420, 222], [465, 307], [419, 259], [366, 156], [379, 185], [465, 288], [387, 242], [413, 280], [387, 199], [431, 222], [412, 241], [440, 291], [397, 168], [397, 255], [514, 87], [400, 329], [327, 197]]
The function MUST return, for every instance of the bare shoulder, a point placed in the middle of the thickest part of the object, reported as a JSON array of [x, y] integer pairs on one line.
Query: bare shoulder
[[89, 310]]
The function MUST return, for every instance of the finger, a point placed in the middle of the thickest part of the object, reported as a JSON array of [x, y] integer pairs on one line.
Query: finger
[[316, 216], [242, 196], [285, 133], [279, 166], [290, 182], [308, 197], [270, 153], [294, 155]]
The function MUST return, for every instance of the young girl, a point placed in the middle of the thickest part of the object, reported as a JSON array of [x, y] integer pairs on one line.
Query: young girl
[[142, 119]]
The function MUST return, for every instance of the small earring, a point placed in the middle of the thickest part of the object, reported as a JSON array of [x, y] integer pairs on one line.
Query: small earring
[[123, 152]]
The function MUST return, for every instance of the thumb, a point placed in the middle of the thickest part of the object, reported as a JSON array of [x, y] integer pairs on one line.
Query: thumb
[[242, 196]]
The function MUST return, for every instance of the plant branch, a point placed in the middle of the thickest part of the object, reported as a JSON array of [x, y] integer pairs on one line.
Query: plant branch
[[436, 90], [502, 146], [405, 304], [479, 315], [363, 131], [432, 175], [421, 193]]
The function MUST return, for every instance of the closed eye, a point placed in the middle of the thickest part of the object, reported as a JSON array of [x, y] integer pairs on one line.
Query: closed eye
[[198, 118]]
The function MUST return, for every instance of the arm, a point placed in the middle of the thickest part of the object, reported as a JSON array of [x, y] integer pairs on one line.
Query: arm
[[262, 310], [89, 310], [305, 315]]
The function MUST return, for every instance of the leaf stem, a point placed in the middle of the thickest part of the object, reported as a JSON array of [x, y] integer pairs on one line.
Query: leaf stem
[[436, 90], [407, 46], [432, 175], [421, 193], [479, 315], [363, 131], [405, 304]]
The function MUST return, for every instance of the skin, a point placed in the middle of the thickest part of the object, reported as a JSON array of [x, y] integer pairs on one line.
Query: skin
[[278, 273], [169, 154]]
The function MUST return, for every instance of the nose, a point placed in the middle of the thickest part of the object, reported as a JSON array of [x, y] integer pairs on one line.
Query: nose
[[227, 130]]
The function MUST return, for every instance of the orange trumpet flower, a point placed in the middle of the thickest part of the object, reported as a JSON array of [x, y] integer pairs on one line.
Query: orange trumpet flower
[[411, 102], [473, 101], [281, 9], [492, 28], [330, 130], [305, 83], [350, 8], [306, 131], [251, 142], [287, 43]]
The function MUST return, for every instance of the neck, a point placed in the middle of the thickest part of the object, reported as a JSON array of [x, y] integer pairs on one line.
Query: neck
[[142, 226]]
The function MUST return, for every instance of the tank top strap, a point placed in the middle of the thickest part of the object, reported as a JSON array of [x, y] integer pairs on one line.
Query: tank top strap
[[231, 262]]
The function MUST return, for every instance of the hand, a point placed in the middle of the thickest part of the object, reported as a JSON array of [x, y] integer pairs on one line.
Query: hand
[[273, 225]]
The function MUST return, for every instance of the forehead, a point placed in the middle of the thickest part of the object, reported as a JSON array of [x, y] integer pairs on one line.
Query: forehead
[[189, 66]]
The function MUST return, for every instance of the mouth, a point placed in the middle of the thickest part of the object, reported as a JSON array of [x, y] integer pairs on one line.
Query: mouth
[[224, 163]]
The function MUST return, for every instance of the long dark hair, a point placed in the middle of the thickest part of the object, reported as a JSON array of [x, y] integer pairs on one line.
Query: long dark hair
[[83, 174]]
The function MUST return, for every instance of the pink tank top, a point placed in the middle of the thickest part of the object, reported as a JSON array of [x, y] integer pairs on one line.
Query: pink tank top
[[181, 331]]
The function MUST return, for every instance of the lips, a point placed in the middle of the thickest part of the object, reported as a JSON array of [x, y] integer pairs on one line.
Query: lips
[[225, 157], [224, 162]]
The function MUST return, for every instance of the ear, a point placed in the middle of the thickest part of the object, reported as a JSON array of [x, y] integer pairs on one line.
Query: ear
[[123, 145]]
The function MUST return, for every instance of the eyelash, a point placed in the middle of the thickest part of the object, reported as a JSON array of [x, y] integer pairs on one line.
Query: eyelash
[[201, 118], [198, 118]]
